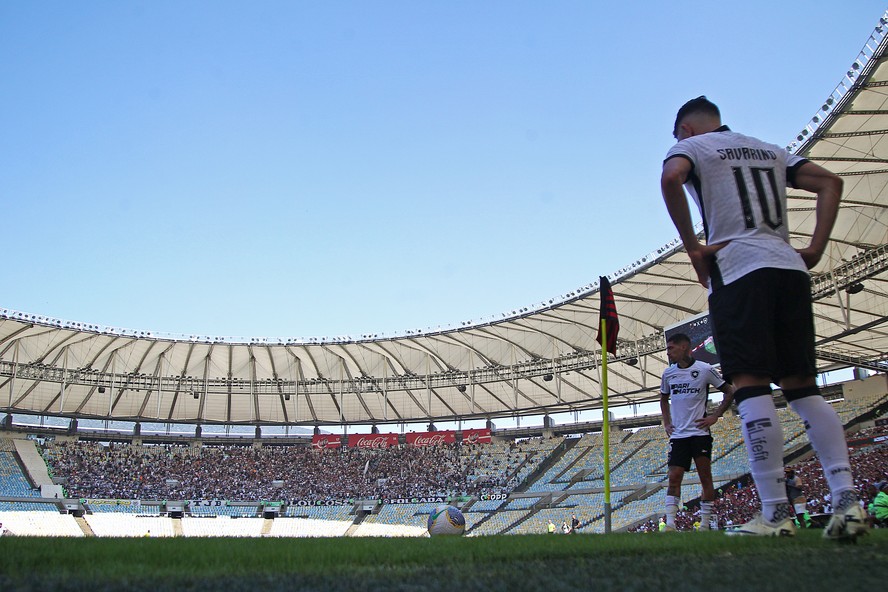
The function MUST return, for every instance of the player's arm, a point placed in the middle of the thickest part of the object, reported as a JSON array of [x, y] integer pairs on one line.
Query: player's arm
[[728, 390], [666, 412], [828, 187], [675, 173]]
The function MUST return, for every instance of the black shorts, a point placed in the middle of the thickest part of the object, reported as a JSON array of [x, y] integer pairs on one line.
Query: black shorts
[[682, 450], [763, 324]]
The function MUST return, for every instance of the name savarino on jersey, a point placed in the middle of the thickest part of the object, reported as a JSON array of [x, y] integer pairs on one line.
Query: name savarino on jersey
[[746, 154]]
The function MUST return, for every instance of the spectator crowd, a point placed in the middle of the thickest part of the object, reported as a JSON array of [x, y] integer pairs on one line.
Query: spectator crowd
[[123, 471], [738, 503]]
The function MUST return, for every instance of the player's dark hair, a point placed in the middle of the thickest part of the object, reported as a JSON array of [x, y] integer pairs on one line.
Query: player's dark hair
[[678, 338], [699, 105]]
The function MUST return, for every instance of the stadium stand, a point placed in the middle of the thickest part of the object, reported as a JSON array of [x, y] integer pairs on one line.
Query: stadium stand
[[13, 482], [41, 524], [222, 526], [113, 524], [396, 520], [535, 480], [308, 527]]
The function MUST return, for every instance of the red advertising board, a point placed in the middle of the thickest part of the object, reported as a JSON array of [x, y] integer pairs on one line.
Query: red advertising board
[[372, 440], [324, 441], [476, 436], [431, 438]]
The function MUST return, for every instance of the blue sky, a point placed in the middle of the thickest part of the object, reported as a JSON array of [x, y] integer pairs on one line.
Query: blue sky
[[304, 169]]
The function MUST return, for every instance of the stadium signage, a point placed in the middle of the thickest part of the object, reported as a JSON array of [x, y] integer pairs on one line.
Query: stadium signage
[[324, 441], [431, 438], [492, 496], [137, 504], [435, 499], [307, 503], [860, 442], [476, 436], [372, 440]]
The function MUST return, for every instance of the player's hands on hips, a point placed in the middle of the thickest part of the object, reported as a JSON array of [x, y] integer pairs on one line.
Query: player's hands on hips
[[705, 422], [701, 258], [810, 256]]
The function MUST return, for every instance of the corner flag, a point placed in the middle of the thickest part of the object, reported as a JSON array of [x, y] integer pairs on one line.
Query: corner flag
[[608, 317], [608, 327]]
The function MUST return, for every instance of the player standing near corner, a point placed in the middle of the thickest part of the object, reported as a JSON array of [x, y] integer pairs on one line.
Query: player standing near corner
[[760, 298], [686, 384]]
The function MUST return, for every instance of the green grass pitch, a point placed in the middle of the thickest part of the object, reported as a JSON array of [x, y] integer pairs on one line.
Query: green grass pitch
[[624, 562]]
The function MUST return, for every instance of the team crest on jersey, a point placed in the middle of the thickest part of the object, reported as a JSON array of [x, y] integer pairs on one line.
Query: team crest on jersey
[[695, 373]]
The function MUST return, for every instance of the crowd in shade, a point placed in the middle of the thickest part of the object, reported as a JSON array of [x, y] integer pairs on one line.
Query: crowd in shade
[[738, 503], [123, 471]]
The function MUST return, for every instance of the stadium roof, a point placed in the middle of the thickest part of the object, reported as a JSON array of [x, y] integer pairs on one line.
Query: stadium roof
[[538, 360]]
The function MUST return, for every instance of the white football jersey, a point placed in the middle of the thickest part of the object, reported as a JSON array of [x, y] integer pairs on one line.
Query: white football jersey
[[688, 391], [739, 184]]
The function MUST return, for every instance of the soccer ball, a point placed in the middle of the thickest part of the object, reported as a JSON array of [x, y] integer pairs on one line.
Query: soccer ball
[[446, 520]]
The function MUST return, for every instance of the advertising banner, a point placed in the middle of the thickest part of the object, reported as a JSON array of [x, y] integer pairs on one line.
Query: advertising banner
[[430, 438], [372, 440], [325, 502], [493, 496], [481, 436], [431, 499], [136, 505], [324, 441]]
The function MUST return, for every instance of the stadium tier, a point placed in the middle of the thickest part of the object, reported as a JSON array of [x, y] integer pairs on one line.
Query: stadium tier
[[505, 487]]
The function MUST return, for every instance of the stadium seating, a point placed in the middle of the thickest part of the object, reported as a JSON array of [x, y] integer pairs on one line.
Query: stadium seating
[[499, 522], [398, 520], [222, 526], [43, 524], [308, 527], [113, 524], [13, 482], [572, 484], [321, 512]]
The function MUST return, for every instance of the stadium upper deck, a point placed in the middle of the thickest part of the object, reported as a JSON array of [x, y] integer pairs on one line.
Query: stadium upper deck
[[539, 359]]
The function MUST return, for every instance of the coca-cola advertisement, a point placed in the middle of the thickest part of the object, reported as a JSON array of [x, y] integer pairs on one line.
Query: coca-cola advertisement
[[372, 440], [481, 436], [324, 441], [430, 438]]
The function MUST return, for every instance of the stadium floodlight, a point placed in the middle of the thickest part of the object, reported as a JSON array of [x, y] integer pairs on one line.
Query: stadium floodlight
[[855, 288]]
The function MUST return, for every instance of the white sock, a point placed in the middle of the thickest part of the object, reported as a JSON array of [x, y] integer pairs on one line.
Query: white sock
[[763, 436], [671, 509], [827, 436], [705, 515]]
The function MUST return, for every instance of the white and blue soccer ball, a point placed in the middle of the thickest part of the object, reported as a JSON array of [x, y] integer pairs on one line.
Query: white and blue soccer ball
[[446, 520]]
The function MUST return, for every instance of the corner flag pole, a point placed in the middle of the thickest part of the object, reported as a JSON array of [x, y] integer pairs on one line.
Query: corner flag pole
[[610, 323], [605, 426]]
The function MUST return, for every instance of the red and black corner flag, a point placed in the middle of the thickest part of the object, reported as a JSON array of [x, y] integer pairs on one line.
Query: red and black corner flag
[[609, 316]]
